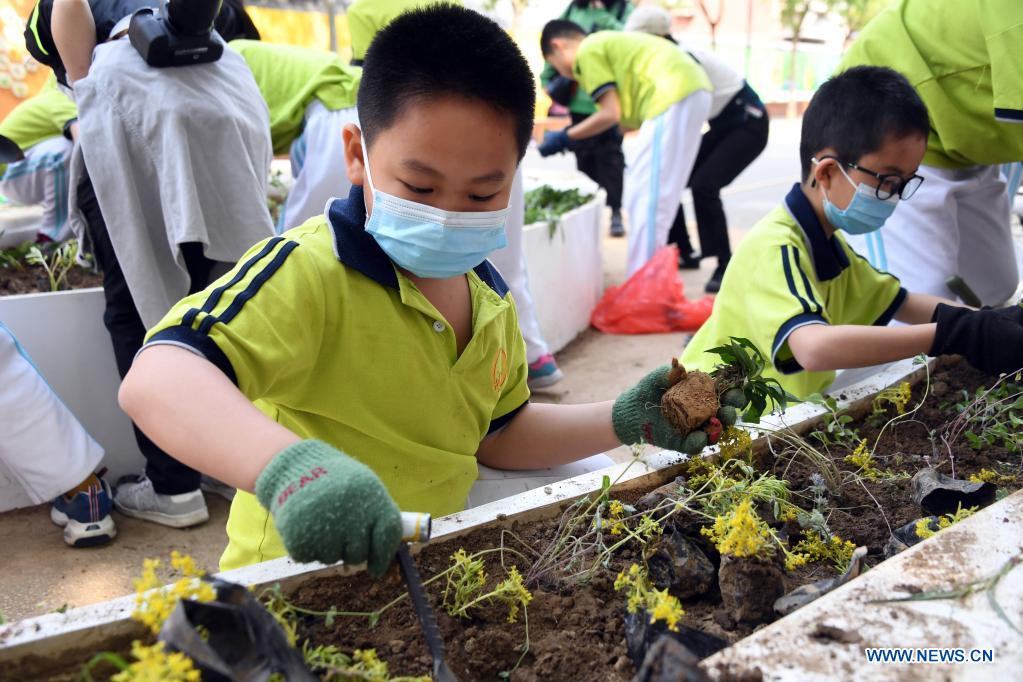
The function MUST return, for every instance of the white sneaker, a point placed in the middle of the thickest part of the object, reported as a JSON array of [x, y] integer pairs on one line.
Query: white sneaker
[[138, 499], [213, 486]]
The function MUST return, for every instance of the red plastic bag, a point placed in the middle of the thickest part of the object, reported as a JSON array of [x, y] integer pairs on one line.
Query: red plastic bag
[[651, 301]]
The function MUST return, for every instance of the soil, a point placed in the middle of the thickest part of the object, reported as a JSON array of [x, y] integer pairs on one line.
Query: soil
[[31, 279], [691, 401]]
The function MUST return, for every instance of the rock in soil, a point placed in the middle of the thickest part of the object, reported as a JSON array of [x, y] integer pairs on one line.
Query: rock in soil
[[641, 634], [801, 596], [749, 588], [657, 496], [670, 661], [940, 494], [680, 566], [905, 537], [690, 402]]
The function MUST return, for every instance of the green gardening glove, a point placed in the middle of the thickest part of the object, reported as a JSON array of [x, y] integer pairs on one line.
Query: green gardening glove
[[637, 417], [329, 507]]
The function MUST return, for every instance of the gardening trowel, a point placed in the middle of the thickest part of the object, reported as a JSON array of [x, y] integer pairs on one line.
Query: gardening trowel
[[416, 528]]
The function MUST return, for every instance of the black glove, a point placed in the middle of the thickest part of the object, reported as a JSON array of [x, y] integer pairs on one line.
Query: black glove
[[561, 90], [990, 340]]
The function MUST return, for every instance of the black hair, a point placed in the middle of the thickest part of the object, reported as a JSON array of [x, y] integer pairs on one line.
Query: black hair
[[558, 28], [442, 50], [857, 110]]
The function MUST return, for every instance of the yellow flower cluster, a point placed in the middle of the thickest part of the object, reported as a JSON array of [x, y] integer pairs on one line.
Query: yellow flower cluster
[[836, 550], [154, 664], [864, 459], [741, 533], [989, 476], [640, 594], [699, 470], [366, 662], [649, 528], [898, 397], [513, 593], [923, 526], [735, 443], [615, 514], [154, 603]]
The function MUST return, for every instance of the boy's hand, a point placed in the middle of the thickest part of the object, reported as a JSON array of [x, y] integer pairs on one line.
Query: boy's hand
[[990, 340], [555, 142], [329, 507], [637, 417]]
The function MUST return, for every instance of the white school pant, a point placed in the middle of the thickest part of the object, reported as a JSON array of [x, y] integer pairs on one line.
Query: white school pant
[[43, 447], [42, 178], [957, 223], [317, 164], [657, 173], [511, 263], [496, 484]]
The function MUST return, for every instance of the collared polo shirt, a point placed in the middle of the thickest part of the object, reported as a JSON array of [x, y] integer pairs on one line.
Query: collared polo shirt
[[291, 77], [965, 60], [786, 274], [39, 117], [320, 330], [648, 72], [367, 17]]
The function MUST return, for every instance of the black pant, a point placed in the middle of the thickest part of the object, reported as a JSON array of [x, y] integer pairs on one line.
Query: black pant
[[121, 318], [601, 158], [725, 151]]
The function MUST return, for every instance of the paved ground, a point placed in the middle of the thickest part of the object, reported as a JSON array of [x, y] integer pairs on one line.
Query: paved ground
[[40, 574]]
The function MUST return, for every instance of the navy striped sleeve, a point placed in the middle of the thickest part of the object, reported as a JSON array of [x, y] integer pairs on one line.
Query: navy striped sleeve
[[503, 421], [599, 91], [790, 365]]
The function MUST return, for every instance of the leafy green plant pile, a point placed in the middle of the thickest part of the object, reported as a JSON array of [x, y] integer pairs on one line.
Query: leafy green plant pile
[[546, 204]]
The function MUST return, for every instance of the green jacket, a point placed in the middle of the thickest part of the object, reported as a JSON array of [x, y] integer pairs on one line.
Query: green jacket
[[591, 19]]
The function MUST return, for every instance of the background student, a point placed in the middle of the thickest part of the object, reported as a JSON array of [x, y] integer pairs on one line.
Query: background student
[[638, 81]]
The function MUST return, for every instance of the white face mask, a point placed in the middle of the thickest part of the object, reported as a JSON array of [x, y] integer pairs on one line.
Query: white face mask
[[431, 242]]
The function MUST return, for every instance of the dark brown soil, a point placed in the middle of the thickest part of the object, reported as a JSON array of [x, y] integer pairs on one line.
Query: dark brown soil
[[690, 402], [31, 279], [577, 632], [904, 449]]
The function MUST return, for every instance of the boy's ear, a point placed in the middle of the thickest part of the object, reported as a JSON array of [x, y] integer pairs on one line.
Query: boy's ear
[[821, 173], [351, 136]]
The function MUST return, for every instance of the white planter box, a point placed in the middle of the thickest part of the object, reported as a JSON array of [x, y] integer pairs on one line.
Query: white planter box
[[63, 332], [91, 628], [566, 271]]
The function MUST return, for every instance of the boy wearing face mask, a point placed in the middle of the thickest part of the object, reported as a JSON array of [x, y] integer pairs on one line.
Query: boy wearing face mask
[[810, 303], [365, 361]]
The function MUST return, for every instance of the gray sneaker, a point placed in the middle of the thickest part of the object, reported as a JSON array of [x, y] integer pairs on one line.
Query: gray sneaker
[[137, 498], [212, 486]]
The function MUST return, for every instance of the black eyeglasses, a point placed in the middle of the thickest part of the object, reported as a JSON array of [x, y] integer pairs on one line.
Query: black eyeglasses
[[889, 184]]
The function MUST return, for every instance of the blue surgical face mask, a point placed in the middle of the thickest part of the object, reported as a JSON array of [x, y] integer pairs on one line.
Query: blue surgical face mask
[[864, 214], [430, 242]]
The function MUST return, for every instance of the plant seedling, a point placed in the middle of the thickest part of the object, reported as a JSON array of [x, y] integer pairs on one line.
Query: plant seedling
[[742, 368], [57, 264]]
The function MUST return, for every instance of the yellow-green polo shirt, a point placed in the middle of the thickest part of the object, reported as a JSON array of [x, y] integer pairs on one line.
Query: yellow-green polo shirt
[[291, 77], [325, 336], [39, 118], [787, 274], [965, 59], [367, 17], [648, 72]]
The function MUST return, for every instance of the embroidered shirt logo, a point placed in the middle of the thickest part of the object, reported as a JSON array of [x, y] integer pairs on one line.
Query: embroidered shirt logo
[[499, 370]]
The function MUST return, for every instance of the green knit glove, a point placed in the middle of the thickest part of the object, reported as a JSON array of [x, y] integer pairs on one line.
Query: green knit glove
[[637, 417], [329, 507]]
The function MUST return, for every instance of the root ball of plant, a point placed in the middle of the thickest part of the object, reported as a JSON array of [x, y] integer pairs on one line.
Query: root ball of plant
[[690, 402]]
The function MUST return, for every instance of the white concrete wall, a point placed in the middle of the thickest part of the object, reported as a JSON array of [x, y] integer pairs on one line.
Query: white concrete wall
[[64, 334]]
